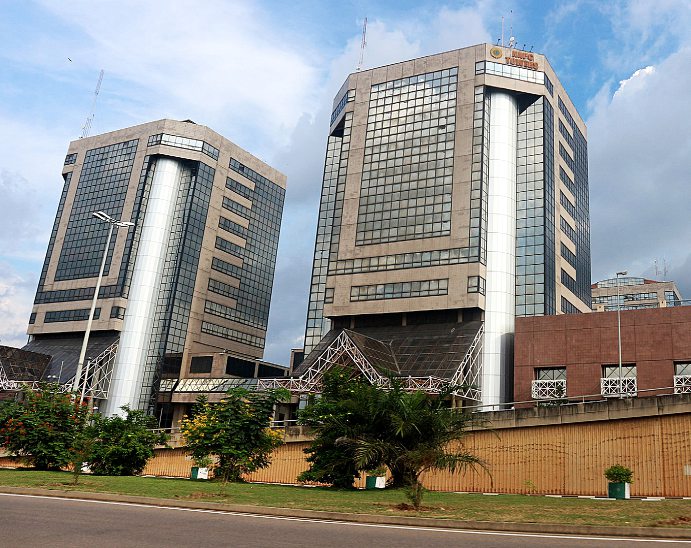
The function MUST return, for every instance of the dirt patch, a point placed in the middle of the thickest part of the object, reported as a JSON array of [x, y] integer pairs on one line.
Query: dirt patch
[[405, 507], [679, 520], [196, 495]]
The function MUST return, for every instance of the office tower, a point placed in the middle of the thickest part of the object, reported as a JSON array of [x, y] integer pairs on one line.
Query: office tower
[[455, 194], [631, 293], [186, 289]]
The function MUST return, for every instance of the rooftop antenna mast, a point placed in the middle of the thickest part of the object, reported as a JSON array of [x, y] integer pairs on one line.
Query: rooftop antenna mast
[[89, 120], [512, 38], [363, 44], [659, 270]]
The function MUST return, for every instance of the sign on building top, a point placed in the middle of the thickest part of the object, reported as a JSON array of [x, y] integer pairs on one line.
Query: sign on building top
[[515, 57]]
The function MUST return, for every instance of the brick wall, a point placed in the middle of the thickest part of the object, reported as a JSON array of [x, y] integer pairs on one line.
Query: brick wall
[[653, 339]]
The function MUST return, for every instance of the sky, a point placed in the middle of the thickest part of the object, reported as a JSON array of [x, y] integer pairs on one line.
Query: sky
[[264, 73]]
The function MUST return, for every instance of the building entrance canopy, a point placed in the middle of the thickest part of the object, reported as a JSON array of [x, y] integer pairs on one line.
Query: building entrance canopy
[[430, 358]]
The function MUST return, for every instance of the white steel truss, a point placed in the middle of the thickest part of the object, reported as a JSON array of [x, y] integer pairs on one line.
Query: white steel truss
[[12, 385], [343, 351], [7, 384], [548, 389], [612, 387], [469, 373], [97, 373], [682, 384]]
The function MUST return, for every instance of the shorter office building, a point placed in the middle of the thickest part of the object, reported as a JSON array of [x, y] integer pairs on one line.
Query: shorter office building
[[577, 355], [186, 281], [633, 293]]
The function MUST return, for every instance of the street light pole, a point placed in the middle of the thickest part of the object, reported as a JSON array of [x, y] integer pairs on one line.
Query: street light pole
[[621, 380], [114, 223]]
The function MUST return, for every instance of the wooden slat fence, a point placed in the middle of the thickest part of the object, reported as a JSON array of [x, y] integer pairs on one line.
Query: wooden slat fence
[[559, 459]]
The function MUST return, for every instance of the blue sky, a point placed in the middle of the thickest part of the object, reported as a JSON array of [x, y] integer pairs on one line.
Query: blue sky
[[264, 74]]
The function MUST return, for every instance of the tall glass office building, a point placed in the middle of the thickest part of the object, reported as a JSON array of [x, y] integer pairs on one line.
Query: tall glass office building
[[186, 290], [454, 198]]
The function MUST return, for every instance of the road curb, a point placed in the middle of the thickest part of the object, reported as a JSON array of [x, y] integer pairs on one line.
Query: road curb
[[589, 530]]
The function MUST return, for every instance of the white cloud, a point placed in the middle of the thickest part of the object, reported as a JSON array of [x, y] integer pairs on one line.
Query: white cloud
[[303, 158], [643, 32], [16, 298], [637, 80], [218, 63], [393, 41], [31, 157], [639, 148]]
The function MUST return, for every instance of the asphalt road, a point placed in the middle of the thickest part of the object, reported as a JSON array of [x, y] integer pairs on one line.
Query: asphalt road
[[51, 522]]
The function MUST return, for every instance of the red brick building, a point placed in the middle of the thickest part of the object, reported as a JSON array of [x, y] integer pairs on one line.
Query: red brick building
[[575, 355]]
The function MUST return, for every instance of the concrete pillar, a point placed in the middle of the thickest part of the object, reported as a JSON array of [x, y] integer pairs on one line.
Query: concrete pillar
[[500, 301], [135, 338]]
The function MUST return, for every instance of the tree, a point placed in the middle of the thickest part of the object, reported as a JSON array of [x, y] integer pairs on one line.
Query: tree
[[331, 416], [80, 452], [236, 430], [122, 446], [369, 426], [44, 427]]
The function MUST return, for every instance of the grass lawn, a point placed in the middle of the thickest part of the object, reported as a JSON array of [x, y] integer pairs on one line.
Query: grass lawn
[[510, 508]]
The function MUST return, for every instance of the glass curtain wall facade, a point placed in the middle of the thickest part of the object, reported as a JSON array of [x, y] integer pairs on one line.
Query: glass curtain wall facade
[[328, 228], [171, 321], [404, 222], [535, 262], [217, 252], [574, 154]]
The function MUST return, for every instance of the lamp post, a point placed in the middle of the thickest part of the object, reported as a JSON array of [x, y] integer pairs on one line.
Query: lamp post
[[621, 380], [114, 223]]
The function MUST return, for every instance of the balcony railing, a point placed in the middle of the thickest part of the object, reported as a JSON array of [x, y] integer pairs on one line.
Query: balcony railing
[[613, 387], [682, 384], [551, 389]]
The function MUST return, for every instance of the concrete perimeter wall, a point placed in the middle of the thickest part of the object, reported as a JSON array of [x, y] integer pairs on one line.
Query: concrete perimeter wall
[[550, 450]]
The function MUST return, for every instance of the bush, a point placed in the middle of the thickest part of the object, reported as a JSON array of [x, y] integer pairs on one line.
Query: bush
[[330, 462], [236, 430], [123, 445], [45, 428], [619, 474], [360, 426]]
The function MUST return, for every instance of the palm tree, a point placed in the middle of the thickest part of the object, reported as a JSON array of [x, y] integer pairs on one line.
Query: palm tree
[[409, 432]]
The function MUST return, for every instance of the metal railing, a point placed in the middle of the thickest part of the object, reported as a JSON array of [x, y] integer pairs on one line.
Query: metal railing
[[548, 389], [9, 385], [682, 384], [566, 400], [468, 375], [613, 387]]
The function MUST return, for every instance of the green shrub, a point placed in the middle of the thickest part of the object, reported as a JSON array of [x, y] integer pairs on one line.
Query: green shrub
[[360, 426], [619, 474], [44, 428], [236, 430], [123, 446]]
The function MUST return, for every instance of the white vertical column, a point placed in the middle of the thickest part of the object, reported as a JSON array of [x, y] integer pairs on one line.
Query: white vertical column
[[500, 301], [126, 382]]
